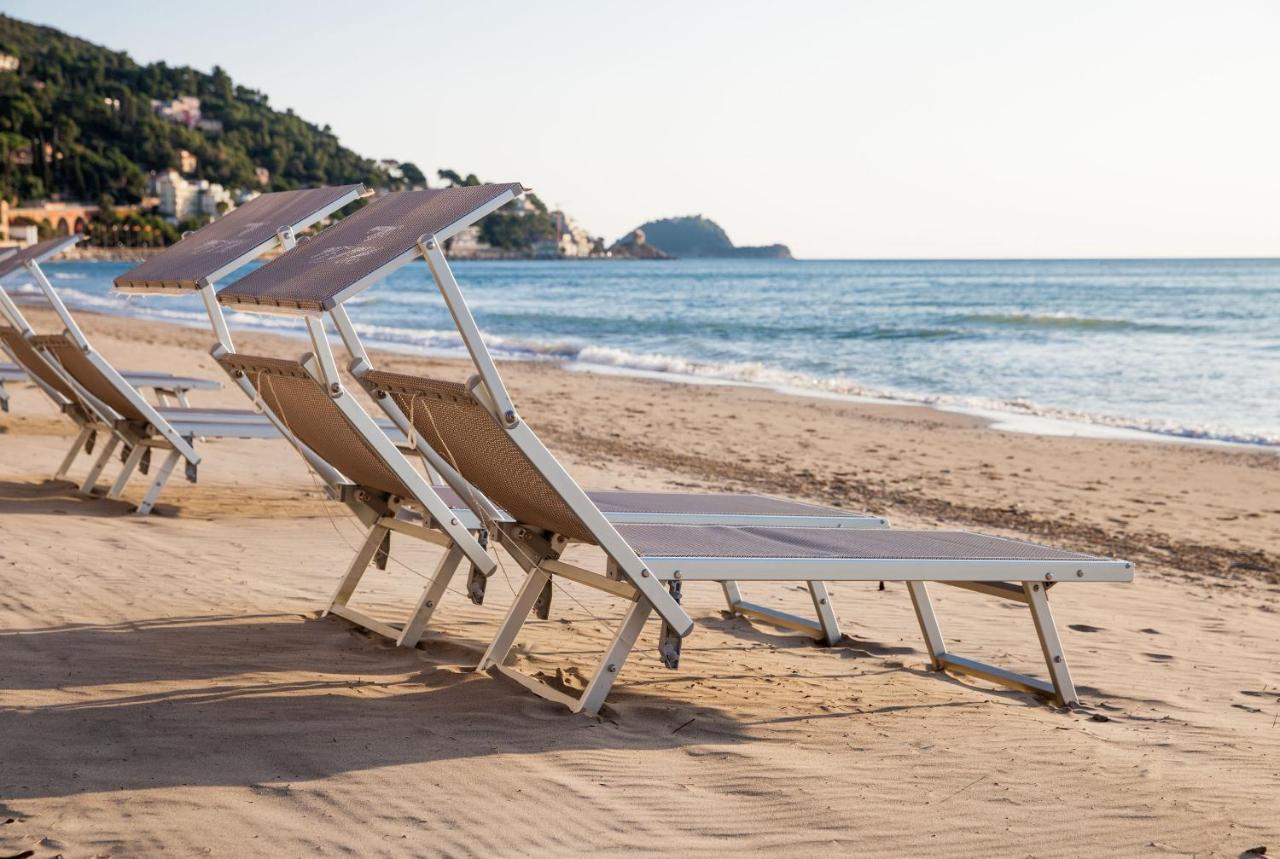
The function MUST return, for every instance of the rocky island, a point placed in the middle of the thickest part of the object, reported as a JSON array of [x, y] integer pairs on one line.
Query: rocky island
[[689, 236]]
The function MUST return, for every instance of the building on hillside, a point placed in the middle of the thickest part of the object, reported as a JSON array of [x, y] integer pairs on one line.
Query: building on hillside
[[180, 199], [571, 239], [184, 110], [263, 175], [9, 63], [24, 234], [212, 127], [65, 218], [187, 162]]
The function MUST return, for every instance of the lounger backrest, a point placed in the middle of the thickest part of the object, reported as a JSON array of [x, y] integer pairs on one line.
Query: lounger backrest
[[33, 362], [462, 431], [307, 411], [77, 364]]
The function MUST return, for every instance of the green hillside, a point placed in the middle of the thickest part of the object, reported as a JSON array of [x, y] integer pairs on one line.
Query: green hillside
[[77, 120]]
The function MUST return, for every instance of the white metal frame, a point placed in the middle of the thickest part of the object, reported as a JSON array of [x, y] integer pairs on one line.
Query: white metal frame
[[646, 575], [194, 423], [643, 581], [87, 412]]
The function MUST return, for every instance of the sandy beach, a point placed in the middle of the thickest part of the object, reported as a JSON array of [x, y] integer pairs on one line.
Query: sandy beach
[[166, 684]]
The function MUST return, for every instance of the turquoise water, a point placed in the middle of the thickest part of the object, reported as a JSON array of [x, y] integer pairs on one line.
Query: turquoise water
[[1185, 347]]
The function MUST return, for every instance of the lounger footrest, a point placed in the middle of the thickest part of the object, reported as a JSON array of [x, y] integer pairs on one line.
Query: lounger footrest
[[1002, 590], [537, 687], [364, 621], [1011, 679], [780, 618]]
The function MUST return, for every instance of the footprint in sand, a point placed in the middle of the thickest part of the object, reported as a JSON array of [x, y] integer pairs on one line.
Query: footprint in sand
[[1158, 657], [1084, 627]]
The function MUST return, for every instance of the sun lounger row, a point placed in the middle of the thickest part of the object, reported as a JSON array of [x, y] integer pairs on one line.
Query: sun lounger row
[[483, 476]]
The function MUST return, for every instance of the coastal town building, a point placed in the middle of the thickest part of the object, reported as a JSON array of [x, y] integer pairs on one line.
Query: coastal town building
[[181, 199], [64, 218], [183, 110], [9, 63], [571, 239], [187, 162]]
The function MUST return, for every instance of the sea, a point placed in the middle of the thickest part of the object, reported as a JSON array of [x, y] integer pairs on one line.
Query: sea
[[1171, 349]]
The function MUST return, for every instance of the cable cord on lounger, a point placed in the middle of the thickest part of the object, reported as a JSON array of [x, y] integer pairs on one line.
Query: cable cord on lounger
[[257, 401], [483, 512]]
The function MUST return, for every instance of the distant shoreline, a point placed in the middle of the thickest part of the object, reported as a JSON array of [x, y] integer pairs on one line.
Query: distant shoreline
[[92, 254]]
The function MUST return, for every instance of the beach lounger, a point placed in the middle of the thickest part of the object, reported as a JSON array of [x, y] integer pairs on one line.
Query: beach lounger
[[395, 222], [117, 407], [31, 365], [481, 442], [219, 249]]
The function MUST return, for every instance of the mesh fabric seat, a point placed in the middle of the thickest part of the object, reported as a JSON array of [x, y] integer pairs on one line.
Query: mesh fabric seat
[[459, 428], [308, 412], [33, 361], [79, 367]]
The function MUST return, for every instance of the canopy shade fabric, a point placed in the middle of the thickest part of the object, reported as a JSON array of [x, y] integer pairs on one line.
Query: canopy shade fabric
[[352, 255]]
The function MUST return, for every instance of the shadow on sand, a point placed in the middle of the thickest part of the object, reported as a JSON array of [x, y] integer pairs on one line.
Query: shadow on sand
[[250, 699]]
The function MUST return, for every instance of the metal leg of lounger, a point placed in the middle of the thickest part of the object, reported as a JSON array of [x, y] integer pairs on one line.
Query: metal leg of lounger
[[928, 623], [732, 595], [496, 654], [360, 563], [70, 458], [611, 664], [430, 597], [91, 479], [826, 628], [1033, 595], [162, 476], [135, 456], [1054, 657], [826, 614], [592, 698]]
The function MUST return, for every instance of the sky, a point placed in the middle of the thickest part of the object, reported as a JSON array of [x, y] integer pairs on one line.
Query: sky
[[898, 129]]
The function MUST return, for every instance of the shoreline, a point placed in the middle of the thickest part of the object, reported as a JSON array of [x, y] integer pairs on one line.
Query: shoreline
[[1037, 420]]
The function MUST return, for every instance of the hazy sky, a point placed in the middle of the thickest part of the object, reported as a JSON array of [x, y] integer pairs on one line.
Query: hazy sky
[[855, 129]]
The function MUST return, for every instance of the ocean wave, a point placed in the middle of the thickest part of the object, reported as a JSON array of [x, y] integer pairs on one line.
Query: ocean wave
[[1065, 321], [754, 373]]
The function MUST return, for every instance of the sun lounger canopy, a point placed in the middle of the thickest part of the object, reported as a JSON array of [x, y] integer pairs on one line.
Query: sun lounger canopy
[[352, 255], [245, 233], [37, 253]]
